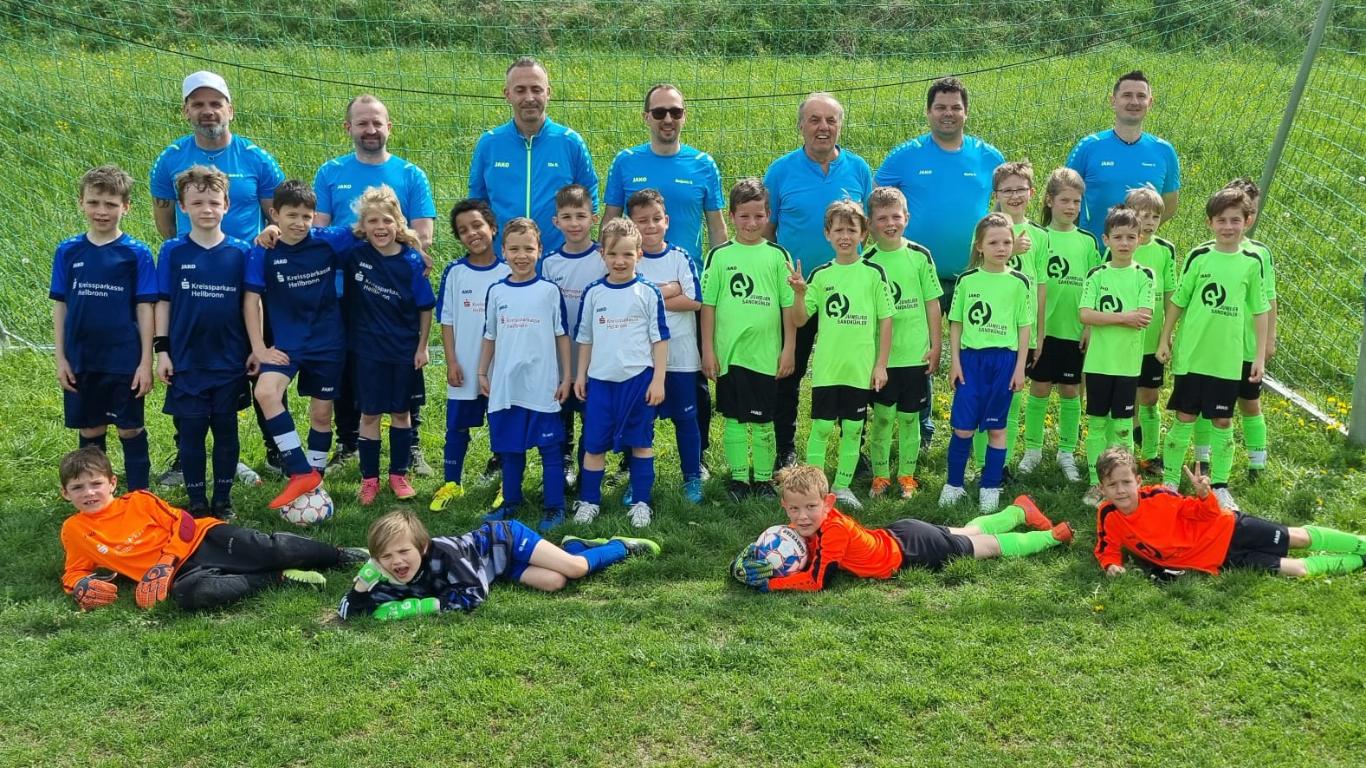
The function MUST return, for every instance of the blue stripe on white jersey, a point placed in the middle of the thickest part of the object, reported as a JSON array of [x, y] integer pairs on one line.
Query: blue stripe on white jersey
[[460, 305], [622, 321], [385, 297], [572, 272], [524, 321], [672, 265], [204, 287], [297, 284], [101, 286]]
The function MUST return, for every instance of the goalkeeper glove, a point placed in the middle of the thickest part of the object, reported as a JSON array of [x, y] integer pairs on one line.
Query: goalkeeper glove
[[752, 570], [156, 582], [370, 574], [94, 592], [407, 609]]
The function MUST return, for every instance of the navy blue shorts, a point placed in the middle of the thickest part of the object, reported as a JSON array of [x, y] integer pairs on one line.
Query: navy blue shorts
[[466, 414], [384, 387], [680, 395], [982, 400], [615, 415], [313, 378], [518, 429], [206, 394], [101, 399]]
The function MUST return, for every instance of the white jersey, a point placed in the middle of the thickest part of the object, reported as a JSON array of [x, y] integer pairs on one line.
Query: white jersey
[[460, 305], [572, 272], [622, 321], [524, 320], [672, 265]]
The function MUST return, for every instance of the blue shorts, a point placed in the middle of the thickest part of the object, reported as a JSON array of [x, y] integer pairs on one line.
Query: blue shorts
[[384, 387], [517, 430], [206, 394], [517, 540], [615, 415], [680, 395], [982, 400], [101, 399], [466, 414], [315, 378]]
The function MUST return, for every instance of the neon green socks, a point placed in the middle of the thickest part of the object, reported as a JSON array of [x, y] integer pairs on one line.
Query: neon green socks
[[735, 444], [1221, 454], [1069, 423], [1097, 438], [1151, 422], [1025, 544], [1006, 520], [1254, 435], [851, 434], [1174, 451], [1035, 410], [818, 442], [1319, 565], [908, 443], [880, 439], [1331, 540], [765, 451]]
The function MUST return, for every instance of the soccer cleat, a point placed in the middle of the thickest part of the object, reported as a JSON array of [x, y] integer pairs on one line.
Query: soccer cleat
[[445, 495], [879, 487], [587, 543], [341, 456], [1030, 461], [988, 500], [636, 547], [571, 475], [369, 489], [418, 463], [1093, 496], [763, 489], [1225, 499], [1034, 517], [585, 512], [222, 510], [247, 476], [550, 519], [275, 464], [352, 555], [1068, 464], [738, 491], [909, 485], [1254, 474], [1063, 532], [1151, 467], [172, 476], [302, 578], [401, 487], [640, 514], [297, 486], [692, 490], [846, 497], [499, 513], [952, 494], [199, 509]]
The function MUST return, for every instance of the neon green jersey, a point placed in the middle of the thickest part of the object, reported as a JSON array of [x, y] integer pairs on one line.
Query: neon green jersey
[[848, 301], [1159, 256], [992, 307], [1071, 255], [1116, 350], [914, 283], [1031, 263], [1268, 285], [1218, 292], [747, 284]]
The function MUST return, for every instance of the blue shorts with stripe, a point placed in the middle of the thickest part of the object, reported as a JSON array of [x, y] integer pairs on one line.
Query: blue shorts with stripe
[[680, 396], [982, 400], [616, 416]]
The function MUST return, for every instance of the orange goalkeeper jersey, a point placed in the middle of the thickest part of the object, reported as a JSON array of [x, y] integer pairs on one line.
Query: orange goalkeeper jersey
[[1167, 529], [842, 542], [129, 536]]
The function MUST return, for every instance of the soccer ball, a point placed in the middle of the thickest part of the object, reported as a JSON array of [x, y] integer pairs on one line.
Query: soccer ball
[[783, 548], [309, 509]]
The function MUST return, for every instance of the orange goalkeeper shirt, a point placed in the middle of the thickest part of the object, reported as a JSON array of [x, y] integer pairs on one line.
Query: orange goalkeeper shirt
[[129, 536], [1167, 529], [842, 542]]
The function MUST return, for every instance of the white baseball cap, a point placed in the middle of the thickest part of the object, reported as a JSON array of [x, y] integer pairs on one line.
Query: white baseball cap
[[204, 79]]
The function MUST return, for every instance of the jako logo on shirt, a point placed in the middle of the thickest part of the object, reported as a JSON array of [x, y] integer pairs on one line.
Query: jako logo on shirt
[[741, 285], [1213, 295], [836, 305], [1109, 303], [1057, 266], [979, 314]]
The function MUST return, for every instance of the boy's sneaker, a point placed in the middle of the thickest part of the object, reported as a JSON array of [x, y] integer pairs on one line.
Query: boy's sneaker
[[692, 490], [222, 510], [445, 495], [846, 497], [352, 555], [1225, 499], [1030, 461], [297, 486], [199, 509], [342, 455], [275, 464], [418, 463], [550, 518], [1063, 532], [401, 487], [301, 578], [952, 494], [1034, 517], [571, 474], [763, 489], [640, 514], [1093, 496], [909, 485], [248, 476], [369, 489], [636, 547], [499, 513], [988, 500], [172, 476], [1068, 464], [585, 512], [738, 491], [879, 487]]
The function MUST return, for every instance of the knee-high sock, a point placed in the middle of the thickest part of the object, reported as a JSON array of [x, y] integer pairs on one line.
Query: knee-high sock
[[318, 445], [908, 443], [1319, 565], [100, 441], [194, 433], [851, 436], [590, 485], [1097, 438], [765, 451], [1121, 433], [400, 449], [1221, 454], [1151, 423], [514, 469], [1254, 436], [1069, 423], [1036, 408], [735, 445], [880, 439], [226, 449], [979, 447], [1006, 520], [601, 556], [552, 477], [642, 478], [1203, 435], [281, 429], [993, 468], [689, 438], [1174, 448], [1331, 540], [453, 458], [137, 463], [959, 448], [819, 441], [1025, 544], [1013, 424], [367, 448]]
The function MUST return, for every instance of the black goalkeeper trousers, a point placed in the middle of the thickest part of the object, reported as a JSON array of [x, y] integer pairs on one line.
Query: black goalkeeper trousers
[[232, 563]]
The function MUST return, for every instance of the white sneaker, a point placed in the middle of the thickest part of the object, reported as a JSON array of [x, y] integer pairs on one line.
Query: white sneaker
[[846, 497], [1030, 461], [585, 512], [246, 475], [952, 494], [1068, 464], [639, 514], [706, 473], [1093, 496], [988, 500], [1225, 499], [571, 475]]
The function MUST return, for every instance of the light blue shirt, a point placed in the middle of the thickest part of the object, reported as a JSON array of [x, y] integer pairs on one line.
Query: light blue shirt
[[689, 181], [1111, 167], [947, 193], [800, 191], [341, 180], [252, 173]]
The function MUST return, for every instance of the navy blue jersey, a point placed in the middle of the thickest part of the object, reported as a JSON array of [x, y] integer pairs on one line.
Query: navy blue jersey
[[297, 284], [101, 286], [384, 297], [204, 286]]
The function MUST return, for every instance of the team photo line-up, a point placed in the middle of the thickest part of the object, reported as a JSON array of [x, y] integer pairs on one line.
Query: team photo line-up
[[822, 264]]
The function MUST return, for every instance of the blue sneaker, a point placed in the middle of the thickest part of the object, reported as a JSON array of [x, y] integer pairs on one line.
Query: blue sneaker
[[692, 490], [626, 498], [498, 514], [552, 518]]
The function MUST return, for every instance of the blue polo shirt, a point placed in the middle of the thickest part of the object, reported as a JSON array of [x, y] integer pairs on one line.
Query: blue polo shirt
[[341, 180], [252, 173], [689, 181], [519, 177], [204, 287], [1111, 167], [947, 193], [102, 285], [297, 285], [385, 295], [800, 191]]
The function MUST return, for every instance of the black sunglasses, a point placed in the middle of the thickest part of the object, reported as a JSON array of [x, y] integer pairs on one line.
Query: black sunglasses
[[659, 113]]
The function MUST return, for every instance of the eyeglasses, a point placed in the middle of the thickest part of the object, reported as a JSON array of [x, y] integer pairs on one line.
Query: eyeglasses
[[1013, 191], [659, 113]]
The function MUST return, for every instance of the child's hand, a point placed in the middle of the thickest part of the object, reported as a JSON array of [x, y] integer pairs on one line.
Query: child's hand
[[427, 263], [455, 375], [1085, 339], [1163, 352], [272, 356], [1022, 243], [94, 592], [1017, 379], [1138, 318], [795, 279], [709, 364], [956, 375], [156, 583], [787, 363], [1257, 371], [750, 569], [562, 391], [142, 380], [655, 394], [65, 376], [669, 290], [879, 379], [932, 359], [165, 370], [581, 389], [1199, 483], [420, 358], [1114, 570], [370, 574], [268, 237]]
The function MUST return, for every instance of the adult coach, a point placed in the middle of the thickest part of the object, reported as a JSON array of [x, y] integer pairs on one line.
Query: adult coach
[[1125, 157], [520, 165], [801, 185], [337, 184]]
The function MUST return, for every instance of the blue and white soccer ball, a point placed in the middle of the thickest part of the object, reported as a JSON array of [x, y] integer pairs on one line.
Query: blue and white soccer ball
[[783, 548], [309, 509]]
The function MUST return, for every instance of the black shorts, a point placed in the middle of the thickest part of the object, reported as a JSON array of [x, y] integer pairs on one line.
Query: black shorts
[[1111, 396], [1058, 363], [1203, 395], [1246, 389], [839, 402], [907, 388], [101, 399], [926, 545], [746, 396], [1258, 544], [1151, 375]]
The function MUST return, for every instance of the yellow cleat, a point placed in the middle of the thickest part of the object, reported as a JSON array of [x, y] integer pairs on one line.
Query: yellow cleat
[[445, 495]]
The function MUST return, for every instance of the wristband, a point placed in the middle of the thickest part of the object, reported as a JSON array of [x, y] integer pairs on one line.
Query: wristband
[[161, 344]]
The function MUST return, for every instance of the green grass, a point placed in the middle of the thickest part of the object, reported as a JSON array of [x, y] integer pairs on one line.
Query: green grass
[[669, 662]]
